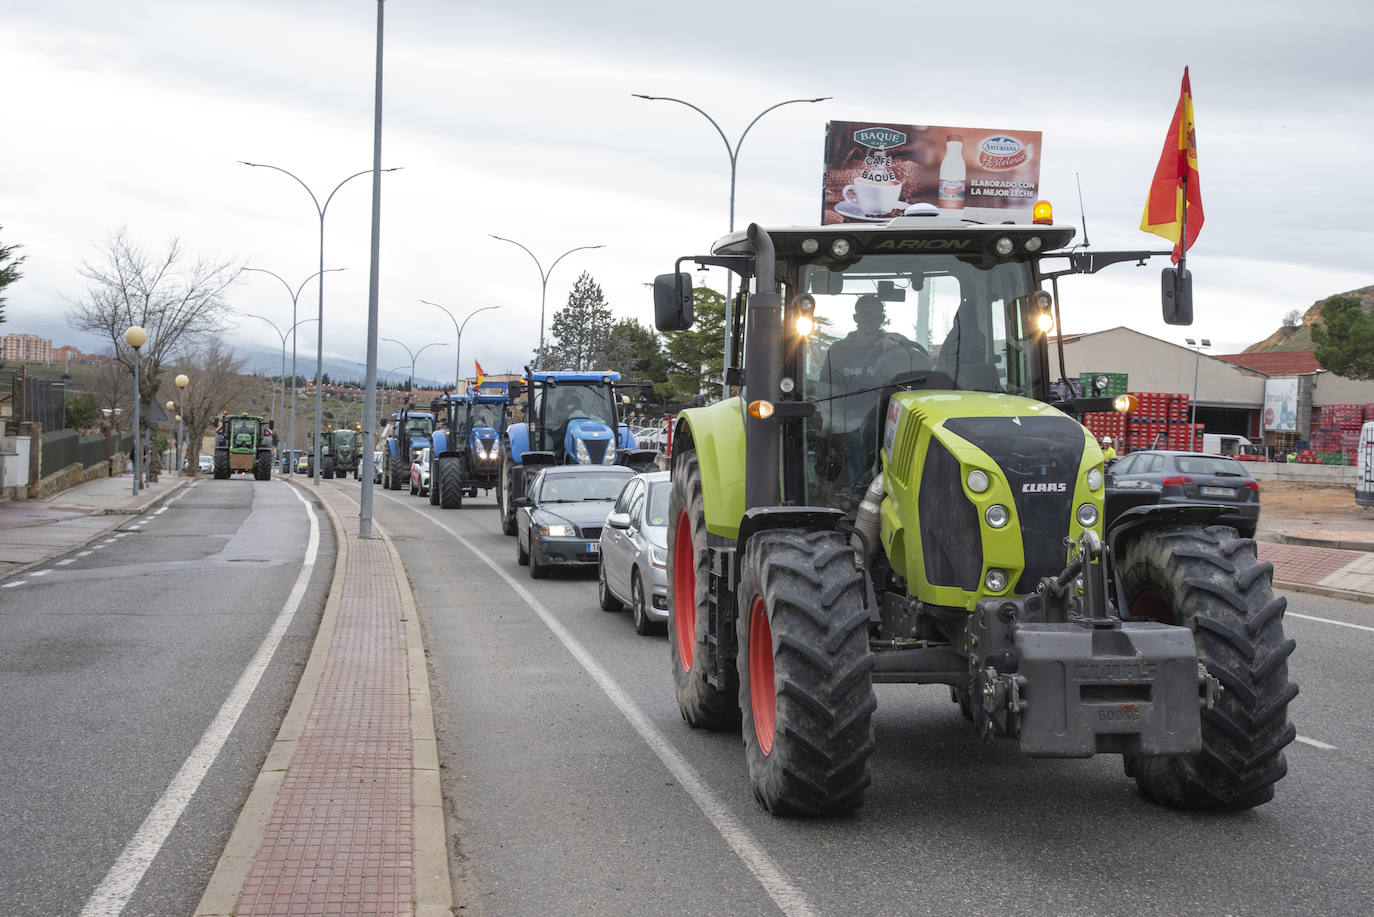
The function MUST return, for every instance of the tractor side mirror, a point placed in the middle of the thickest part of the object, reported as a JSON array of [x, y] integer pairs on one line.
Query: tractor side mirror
[[673, 302], [516, 390], [1176, 295]]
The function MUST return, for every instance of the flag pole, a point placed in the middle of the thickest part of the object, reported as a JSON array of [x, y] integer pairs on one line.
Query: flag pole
[[1183, 223]]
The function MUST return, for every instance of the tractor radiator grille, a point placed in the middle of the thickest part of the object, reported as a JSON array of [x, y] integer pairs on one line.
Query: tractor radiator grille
[[1033, 451], [950, 542], [596, 449]]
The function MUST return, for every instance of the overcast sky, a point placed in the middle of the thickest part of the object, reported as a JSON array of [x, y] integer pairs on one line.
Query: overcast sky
[[516, 119]]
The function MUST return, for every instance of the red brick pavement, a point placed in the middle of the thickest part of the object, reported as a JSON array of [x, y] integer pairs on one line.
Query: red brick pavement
[[1303, 564], [340, 837]]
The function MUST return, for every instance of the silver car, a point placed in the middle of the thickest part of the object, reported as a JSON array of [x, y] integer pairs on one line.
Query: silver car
[[634, 553]]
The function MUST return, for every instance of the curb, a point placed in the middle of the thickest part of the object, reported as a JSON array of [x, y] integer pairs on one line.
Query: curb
[[1329, 591], [1366, 546]]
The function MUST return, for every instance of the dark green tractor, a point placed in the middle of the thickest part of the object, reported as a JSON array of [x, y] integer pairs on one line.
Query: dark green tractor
[[243, 444]]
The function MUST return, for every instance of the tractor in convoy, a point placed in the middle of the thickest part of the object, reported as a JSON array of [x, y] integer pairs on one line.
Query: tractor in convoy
[[570, 418], [243, 444], [908, 502], [466, 446], [403, 438], [339, 454]]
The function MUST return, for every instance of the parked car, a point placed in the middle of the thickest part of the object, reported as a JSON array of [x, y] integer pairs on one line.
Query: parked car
[[377, 467], [634, 553], [419, 474], [206, 463], [559, 519], [1159, 476]]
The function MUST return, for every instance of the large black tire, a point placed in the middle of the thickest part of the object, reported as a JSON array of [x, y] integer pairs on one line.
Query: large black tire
[[262, 466], [505, 493], [327, 467], [806, 673], [398, 470], [447, 479], [604, 597], [221, 464], [1210, 581], [702, 704]]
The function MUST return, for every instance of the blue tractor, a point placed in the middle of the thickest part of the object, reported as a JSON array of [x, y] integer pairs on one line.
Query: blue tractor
[[407, 434], [466, 450], [570, 418]]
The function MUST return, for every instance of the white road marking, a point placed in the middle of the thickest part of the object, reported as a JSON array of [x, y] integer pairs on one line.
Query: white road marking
[[84, 553], [1294, 614], [114, 891], [39, 572], [1315, 744], [159, 511], [18, 582], [788, 897], [69, 560]]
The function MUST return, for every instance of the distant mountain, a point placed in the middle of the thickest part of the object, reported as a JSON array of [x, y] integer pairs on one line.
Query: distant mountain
[[268, 363], [1299, 336]]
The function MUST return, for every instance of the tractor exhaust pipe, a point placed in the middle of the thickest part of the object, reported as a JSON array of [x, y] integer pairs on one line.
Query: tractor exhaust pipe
[[763, 368], [866, 522]]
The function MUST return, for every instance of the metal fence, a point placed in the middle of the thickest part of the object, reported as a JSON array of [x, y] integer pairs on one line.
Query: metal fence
[[65, 447], [36, 401]]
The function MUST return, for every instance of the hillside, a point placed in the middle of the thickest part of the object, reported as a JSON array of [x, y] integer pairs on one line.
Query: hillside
[[1300, 337]]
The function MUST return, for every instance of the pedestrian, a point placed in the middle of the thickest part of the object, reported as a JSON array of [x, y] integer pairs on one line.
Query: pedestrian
[[1108, 451]]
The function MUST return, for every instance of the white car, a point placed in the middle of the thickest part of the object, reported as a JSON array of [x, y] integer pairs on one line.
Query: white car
[[376, 467], [419, 474], [207, 463]]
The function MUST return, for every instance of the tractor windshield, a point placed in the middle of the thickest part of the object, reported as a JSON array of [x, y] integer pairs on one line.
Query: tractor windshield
[[344, 438], [888, 316], [419, 426], [562, 402], [243, 433], [486, 415]]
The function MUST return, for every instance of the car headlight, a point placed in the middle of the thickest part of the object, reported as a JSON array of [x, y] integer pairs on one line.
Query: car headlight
[[580, 450], [658, 556], [556, 531]]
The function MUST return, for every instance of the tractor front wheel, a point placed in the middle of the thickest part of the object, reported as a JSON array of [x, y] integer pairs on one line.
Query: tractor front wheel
[[805, 673], [448, 477], [400, 473], [1209, 581], [221, 464], [702, 704], [262, 466]]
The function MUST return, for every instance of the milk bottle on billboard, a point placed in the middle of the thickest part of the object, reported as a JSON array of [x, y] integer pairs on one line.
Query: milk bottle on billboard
[[952, 174]]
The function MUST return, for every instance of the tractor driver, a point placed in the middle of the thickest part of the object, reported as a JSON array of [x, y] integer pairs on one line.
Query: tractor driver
[[861, 362]]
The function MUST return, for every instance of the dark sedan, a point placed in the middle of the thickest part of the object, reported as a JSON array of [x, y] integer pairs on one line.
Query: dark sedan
[[558, 523], [1155, 476]]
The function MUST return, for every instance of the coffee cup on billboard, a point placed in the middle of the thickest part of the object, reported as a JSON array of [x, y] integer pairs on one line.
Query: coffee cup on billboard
[[873, 197]]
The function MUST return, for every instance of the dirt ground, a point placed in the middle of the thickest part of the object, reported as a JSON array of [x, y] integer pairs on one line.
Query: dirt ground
[[1289, 505]]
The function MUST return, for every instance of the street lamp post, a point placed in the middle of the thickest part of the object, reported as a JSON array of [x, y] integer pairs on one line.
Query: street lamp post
[[319, 332], [733, 153], [1197, 347], [136, 337], [282, 378], [414, 356], [182, 380], [458, 351], [544, 285]]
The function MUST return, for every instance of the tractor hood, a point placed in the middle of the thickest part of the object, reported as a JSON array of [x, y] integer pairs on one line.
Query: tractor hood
[[485, 443], [589, 442]]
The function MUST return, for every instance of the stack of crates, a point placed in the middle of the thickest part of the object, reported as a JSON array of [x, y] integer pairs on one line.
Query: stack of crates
[[1163, 419], [1107, 423], [1337, 439]]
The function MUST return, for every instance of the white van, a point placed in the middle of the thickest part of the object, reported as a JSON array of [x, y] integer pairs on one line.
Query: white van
[[1364, 461], [1229, 444]]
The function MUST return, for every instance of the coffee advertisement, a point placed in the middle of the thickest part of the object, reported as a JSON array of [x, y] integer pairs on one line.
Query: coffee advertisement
[[873, 172]]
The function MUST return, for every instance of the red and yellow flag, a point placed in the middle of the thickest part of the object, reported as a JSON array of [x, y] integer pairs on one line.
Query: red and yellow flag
[[1176, 184], [480, 375]]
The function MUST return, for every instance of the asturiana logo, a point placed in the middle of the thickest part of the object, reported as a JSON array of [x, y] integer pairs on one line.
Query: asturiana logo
[[879, 138], [1002, 152]]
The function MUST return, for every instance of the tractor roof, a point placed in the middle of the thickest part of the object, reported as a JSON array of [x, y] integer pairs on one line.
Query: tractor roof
[[903, 234], [568, 375]]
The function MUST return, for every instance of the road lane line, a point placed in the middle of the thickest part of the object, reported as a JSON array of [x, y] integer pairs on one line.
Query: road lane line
[[119, 884], [84, 553], [1315, 744], [69, 560], [790, 899], [1294, 614], [39, 572], [18, 582]]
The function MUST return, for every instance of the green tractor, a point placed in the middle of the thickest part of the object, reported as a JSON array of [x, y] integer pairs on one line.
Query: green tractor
[[243, 442], [908, 501]]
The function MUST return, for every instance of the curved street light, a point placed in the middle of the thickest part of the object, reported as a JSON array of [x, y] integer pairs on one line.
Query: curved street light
[[319, 339], [544, 285], [282, 378], [416, 355], [458, 351], [733, 153]]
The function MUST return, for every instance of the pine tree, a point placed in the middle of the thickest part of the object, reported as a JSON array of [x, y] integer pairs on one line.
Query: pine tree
[[580, 329]]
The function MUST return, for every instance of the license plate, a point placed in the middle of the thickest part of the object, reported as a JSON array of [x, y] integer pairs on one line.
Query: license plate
[[1218, 491], [593, 547]]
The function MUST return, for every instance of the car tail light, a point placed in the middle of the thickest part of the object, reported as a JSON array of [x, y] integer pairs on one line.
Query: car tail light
[[1252, 485], [1177, 480]]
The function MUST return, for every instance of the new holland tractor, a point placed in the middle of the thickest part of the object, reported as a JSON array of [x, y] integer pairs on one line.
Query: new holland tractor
[[904, 503], [406, 435], [570, 418], [242, 445], [466, 449]]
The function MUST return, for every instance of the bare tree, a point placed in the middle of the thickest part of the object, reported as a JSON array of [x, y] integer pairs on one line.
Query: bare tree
[[216, 386], [177, 303]]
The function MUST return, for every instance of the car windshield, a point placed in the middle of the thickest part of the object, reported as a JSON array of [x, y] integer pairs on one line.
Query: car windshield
[[486, 415], [657, 513], [574, 488], [1209, 464]]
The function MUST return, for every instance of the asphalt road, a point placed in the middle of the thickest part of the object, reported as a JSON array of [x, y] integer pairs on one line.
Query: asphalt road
[[116, 664], [574, 787]]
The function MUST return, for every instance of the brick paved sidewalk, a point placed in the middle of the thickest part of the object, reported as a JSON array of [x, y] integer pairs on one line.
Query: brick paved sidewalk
[[346, 818], [1325, 571]]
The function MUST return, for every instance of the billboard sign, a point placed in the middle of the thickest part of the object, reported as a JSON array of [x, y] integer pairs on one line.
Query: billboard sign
[[1281, 405], [875, 171]]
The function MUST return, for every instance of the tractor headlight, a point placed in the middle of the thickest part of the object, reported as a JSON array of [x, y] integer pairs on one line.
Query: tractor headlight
[[997, 515], [1004, 246], [556, 531], [996, 580], [978, 481], [580, 450], [1087, 515], [1094, 479], [609, 457], [658, 556]]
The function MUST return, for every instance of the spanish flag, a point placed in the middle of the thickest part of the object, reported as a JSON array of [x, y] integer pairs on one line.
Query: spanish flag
[[1176, 185], [480, 375]]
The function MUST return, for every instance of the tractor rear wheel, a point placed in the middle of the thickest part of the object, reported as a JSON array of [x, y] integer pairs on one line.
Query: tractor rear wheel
[[262, 467], [400, 474], [505, 493], [448, 478], [221, 464], [805, 673], [1209, 580], [689, 577]]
